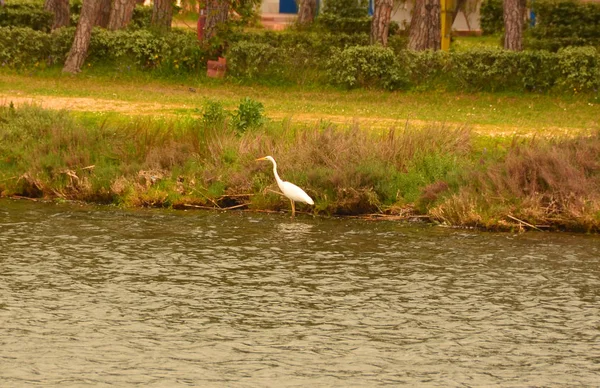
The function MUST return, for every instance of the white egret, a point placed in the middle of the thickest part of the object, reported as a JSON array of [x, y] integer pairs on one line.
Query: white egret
[[290, 190]]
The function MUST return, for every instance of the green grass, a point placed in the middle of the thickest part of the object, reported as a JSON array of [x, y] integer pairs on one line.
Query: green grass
[[138, 93], [465, 43]]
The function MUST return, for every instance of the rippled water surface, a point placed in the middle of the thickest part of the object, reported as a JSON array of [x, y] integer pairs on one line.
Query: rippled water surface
[[105, 296]]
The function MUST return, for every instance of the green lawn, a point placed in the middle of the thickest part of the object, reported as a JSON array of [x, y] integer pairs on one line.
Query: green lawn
[[138, 93]]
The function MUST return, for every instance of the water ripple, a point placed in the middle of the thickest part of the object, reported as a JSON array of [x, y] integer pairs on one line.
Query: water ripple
[[104, 296]]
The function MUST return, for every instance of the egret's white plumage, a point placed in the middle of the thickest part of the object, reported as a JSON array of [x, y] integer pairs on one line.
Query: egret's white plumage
[[290, 190]]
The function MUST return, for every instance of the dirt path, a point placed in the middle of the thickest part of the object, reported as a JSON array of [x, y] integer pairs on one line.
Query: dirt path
[[83, 104]]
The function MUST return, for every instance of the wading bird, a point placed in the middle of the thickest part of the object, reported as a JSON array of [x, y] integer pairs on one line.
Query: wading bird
[[290, 190]]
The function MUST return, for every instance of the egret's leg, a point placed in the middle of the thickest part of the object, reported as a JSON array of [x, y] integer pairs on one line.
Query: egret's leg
[[293, 208]]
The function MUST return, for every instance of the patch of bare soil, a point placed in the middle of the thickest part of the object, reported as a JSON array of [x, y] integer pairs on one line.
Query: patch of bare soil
[[83, 104]]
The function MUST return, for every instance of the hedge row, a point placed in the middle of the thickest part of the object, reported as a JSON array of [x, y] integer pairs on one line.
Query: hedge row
[[572, 69], [177, 50], [562, 23], [26, 14], [344, 60], [491, 17], [31, 14]]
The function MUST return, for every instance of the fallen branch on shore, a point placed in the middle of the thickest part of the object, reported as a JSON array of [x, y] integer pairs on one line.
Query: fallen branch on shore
[[524, 223]]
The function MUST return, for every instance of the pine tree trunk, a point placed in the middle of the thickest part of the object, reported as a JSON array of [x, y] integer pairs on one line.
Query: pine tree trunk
[[120, 14], [425, 26], [217, 12], [60, 9], [513, 25], [83, 33], [162, 14], [380, 24], [307, 11], [103, 14]]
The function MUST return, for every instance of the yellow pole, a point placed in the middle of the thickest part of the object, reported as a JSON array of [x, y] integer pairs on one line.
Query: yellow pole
[[447, 8]]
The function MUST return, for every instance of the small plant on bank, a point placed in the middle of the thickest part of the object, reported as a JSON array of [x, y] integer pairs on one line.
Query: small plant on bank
[[248, 115], [213, 114]]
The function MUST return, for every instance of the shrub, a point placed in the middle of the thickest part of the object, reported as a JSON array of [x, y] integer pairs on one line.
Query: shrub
[[141, 17], [175, 51], [368, 66], [23, 47], [335, 23], [248, 115], [423, 67], [291, 56], [578, 68], [486, 69], [31, 14], [562, 23], [213, 114], [249, 59], [345, 16], [26, 14], [491, 17]]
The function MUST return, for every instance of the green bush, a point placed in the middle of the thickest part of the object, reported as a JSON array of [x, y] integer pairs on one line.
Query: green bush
[[575, 69], [423, 67], [562, 23], [176, 51], [318, 43], [484, 68], [142, 15], [345, 16], [31, 14], [491, 17], [213, 114], [366, 66], [578, 68], [289, 57], [338, 24], [248, 115], [481, 69], [250, 59], [26, 14], [347, 8], [23, 47]]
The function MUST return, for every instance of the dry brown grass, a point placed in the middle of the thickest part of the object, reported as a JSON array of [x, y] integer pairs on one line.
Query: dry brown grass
[[345, 167], [541, 182]]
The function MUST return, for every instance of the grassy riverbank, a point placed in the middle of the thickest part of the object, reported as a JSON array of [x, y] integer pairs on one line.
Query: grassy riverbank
[[449, 174]]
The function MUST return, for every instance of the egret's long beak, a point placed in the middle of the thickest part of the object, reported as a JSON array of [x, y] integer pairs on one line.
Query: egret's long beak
[[263, 158]]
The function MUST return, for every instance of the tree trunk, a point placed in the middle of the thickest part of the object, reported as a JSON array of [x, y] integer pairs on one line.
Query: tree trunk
[[120, 14], [380, 24], [307, 11], [103, 14], [162, 14], [83, 33], [217, 12], [425, 26], [513, 25], [60, 9]]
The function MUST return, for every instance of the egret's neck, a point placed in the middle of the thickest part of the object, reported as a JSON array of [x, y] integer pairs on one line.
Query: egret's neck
[[277, 178]]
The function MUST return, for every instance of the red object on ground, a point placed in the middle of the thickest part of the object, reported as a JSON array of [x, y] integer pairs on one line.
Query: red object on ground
[[216, 69]]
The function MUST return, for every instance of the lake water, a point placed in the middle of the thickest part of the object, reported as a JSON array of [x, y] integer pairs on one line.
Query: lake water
[[99, 296]]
